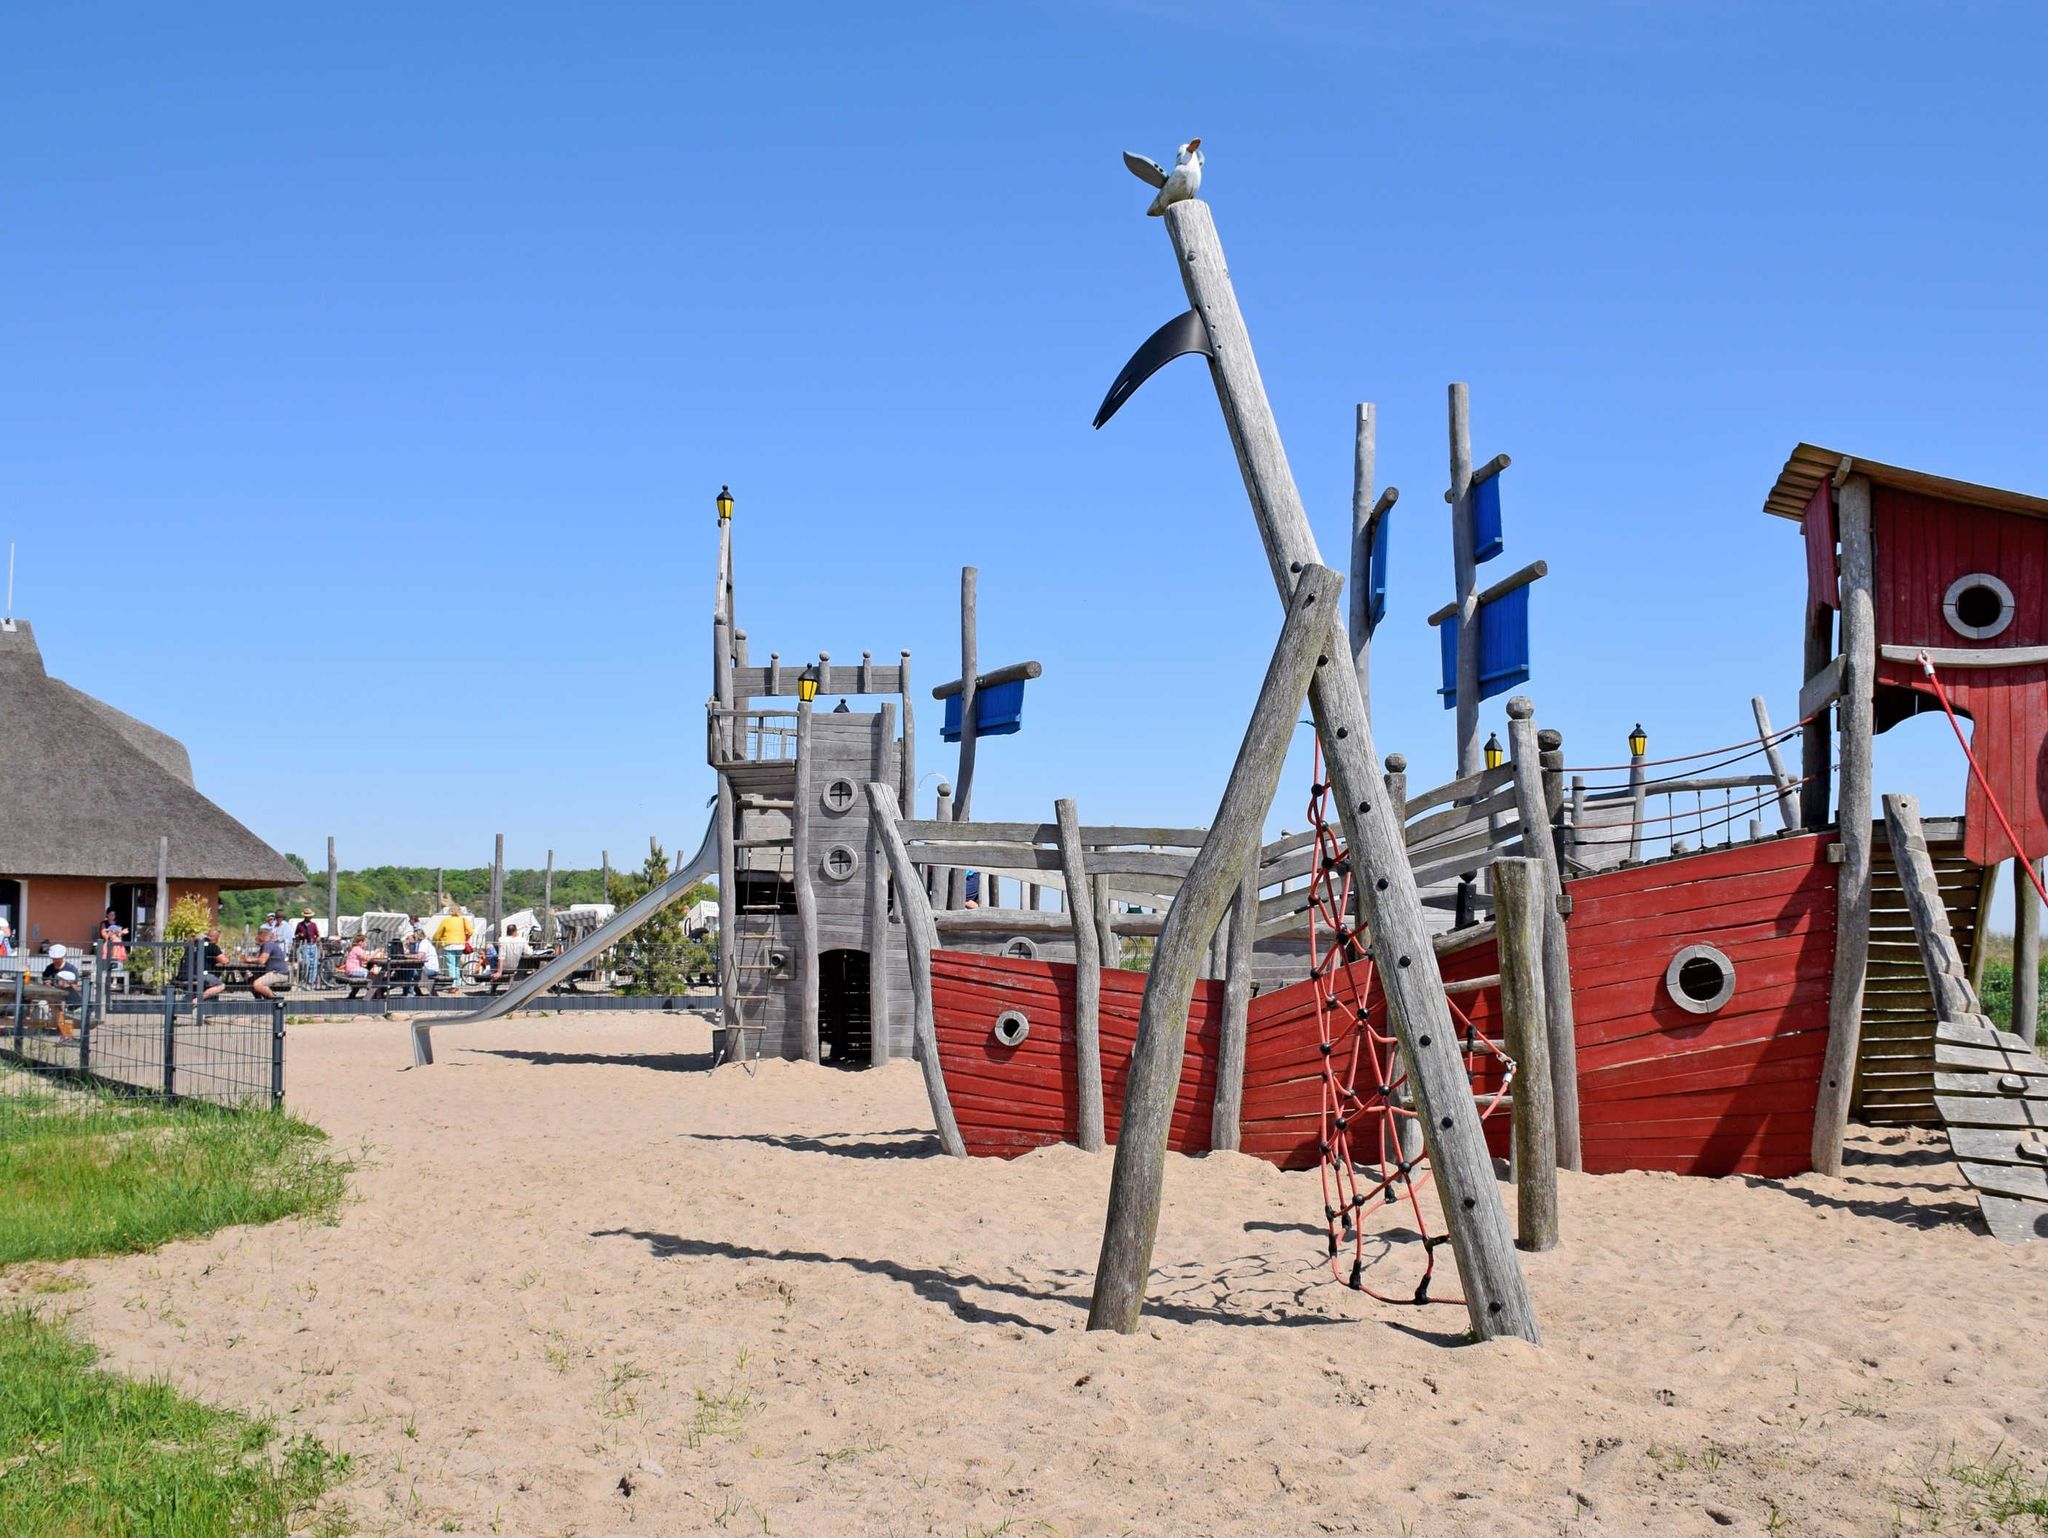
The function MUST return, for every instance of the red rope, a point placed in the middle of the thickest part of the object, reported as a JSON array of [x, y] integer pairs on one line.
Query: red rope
[[1990, 795], [1354, 1050]]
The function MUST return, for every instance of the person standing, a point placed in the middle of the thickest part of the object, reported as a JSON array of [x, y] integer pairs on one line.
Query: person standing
[[454, 934], [307, 934]]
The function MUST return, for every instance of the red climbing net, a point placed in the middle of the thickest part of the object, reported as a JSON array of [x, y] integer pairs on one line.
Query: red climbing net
[[1365, 1115]]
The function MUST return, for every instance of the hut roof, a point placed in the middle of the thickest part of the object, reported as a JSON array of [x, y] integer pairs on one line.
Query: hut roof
[[89, 789], [1810, 465]]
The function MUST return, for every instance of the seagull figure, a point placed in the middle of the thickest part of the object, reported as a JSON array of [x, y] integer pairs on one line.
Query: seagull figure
[[1183, 182]]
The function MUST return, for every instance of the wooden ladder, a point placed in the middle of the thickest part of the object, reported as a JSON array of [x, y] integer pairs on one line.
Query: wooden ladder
[[1990, 1089], [1895, 1055], [758, 928]]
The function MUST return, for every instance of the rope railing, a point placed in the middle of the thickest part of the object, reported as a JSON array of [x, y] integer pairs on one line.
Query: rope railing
[[1737, 751]]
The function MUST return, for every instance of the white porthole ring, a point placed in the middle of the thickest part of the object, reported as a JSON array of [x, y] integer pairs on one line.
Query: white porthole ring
[[1011, 1028], [1952, 606], [1692, 986], [1021, 948]]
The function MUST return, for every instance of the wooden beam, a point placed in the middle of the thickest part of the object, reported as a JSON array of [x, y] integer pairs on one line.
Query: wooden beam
[[1228, 1109], [1788, 799], [907, 759], [876, 917], [1856, 714], [943, 831], [1159, 1053], [1819, 691], [1496, 1296], [1521, 894], [1087, 976], [806, 894], [1008, 674], [1968, 656], [1557, 965], [1500, 589], [921, 938]]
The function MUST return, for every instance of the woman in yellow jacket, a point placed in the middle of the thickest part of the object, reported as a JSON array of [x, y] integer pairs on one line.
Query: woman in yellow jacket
[[451, 938]]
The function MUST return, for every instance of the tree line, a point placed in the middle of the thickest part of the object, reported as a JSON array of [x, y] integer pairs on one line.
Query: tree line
[[410, 889]]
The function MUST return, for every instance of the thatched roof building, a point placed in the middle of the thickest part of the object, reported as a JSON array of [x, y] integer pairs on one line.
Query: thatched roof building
[[89, 791]]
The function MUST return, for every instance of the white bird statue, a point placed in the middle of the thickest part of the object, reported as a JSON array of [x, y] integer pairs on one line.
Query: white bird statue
[[1183, 182]]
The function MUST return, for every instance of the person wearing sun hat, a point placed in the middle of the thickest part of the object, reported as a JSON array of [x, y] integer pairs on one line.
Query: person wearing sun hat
[[307, 939]]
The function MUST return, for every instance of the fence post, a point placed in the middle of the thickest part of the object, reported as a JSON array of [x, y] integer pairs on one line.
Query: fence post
[[277, 1054], [20, 1010], [170, 986]]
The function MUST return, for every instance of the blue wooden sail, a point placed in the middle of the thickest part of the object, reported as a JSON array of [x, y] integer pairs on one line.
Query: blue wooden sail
[[1503, 647], [998, 711], [1487, 539]]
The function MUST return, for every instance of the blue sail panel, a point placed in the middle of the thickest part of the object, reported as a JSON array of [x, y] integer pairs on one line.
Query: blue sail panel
[[1487, 539], [1376, 573], [1447, 640], [998, 712], [1503, 647]]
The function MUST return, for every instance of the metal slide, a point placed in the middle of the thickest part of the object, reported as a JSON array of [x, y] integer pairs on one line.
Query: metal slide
[[575, 957]]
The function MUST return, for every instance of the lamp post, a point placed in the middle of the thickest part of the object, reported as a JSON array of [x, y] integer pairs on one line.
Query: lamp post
[[725, 504], [807, 684], [1638, 747]]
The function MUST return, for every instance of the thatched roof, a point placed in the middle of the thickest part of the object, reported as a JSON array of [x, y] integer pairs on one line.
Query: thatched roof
[[88, 790]]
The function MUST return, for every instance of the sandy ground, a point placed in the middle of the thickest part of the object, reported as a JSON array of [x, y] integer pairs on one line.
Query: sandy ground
[[589, 1288]]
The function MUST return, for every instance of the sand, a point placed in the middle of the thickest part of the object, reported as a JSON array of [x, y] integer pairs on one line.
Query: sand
[[588, 1288]]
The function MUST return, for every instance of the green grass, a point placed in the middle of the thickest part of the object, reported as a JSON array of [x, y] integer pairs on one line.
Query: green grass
[[1998, 992], [83, 1174], [87, 1454]]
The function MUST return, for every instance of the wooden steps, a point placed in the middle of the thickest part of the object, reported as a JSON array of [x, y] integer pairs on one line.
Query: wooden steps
[[1895, 1060]]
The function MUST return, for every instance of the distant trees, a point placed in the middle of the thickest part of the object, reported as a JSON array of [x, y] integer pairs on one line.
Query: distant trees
[[410, 889]]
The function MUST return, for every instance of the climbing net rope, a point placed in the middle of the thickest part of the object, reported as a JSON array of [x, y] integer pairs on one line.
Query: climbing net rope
[[1366, 1120]]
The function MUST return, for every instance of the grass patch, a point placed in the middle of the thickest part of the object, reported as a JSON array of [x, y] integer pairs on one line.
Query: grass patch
[[1997, 994], [86, 1452], [88, 1174]]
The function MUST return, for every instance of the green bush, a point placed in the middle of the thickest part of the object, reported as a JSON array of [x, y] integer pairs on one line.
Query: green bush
[[150, 968], [1997, 994]]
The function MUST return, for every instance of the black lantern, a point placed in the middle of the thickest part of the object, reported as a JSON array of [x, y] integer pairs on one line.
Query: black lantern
[[725, 504], [1493, 750], [807, 684], [1638, 744]]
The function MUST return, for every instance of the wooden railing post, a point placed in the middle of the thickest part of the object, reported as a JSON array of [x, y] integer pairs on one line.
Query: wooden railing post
[[921, 938], [806, 894], [1212, 884], [1533, 811], [1521, 892], [1087, 979]]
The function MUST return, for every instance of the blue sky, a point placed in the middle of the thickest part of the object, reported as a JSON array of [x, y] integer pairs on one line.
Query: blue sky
[[370, 370]]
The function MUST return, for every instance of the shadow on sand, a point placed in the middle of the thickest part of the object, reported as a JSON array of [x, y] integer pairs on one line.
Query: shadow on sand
[[660, 1062], [903, 1142]]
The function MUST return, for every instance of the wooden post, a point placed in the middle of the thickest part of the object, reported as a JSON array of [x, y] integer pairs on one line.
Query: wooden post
[[605, 870], [163, 883], [1814, 742], [1407, 1129], [921, 938], [2026, 952], [1362, 456], [940, 876], [1497, 1298], [1533, 811], [1466, 569], [440, 886], [728, 909], [1105, 926], [1242, 933], [1788, 796], [1856, 711], [1213, 882], [806, 896], [907, 796], [1031, 896], [880, 1004], [1521, 894], [1087, 978], [547, 902], [333, 890], [963, 782], [498, 888]]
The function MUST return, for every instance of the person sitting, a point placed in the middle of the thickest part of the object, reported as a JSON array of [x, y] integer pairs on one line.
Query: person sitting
[[211, 983], [62, 974], [430, 962], [6, 938], [511, 951], [275, 961], [355, 966]]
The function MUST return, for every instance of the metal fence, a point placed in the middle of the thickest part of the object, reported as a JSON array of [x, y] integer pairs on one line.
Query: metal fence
[[160, 1036]]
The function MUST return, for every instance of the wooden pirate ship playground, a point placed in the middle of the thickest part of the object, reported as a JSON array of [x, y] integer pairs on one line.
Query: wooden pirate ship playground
[[1704, 963]]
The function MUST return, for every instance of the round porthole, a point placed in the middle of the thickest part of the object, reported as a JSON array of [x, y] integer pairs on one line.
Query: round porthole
[[1978, 606], [840, 863], [1700, 979], [839, 796], [1022, 948], [1011, 1027]]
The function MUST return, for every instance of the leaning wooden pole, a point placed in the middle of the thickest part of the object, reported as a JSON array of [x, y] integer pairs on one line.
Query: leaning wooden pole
[[1788, 794], [1532, 808], [1212, 884], [921, 937], [1521, 893], [1497, 1298], [1087, 979], [1857, 714]]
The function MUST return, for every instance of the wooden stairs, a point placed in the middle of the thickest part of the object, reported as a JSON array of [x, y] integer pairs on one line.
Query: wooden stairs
[[1990, 1088], [1895, 1061]]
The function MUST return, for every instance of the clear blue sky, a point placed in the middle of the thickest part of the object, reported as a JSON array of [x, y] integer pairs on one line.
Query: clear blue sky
[[369, 371]]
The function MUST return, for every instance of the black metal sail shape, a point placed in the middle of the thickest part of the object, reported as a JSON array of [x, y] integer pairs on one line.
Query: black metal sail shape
[[1185, 333]]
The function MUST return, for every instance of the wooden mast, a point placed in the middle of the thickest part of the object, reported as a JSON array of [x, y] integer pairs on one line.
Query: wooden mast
[[1465, 565], [1856, 712], [1497, 1298]]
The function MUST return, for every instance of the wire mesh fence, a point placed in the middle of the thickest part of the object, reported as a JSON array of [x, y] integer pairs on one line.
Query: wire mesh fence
[[143, 1021]]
